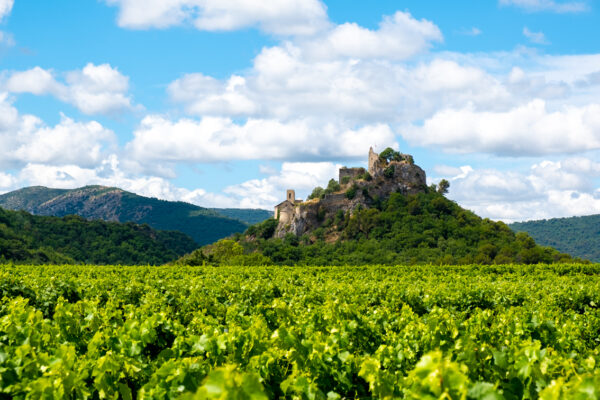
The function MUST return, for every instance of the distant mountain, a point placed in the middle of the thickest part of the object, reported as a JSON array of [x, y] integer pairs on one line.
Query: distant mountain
[[579, 236], [250, 216], [114, 204], [33, 239]]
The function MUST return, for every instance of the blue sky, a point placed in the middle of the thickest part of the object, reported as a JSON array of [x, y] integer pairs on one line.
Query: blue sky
[[228, 103]]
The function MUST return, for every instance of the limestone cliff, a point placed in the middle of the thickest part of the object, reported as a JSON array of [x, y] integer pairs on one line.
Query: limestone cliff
[[388, 173]]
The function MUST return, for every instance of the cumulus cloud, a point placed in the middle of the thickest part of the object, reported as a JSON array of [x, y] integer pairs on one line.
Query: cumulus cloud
[[283, 84], [7, 182], [547, 5], [547, 189], [95, 89], [5, 8], [266, 192], [108, 172], [280, 17], [526, 130], [213, 139], [26, 139], [535, 37], [399, 36]]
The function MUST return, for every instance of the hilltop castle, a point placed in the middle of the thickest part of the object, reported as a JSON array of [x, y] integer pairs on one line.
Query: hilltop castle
[[387, 173]]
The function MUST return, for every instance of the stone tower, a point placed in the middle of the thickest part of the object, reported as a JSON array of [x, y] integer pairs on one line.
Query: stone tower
[[373, 162], [291, 196]]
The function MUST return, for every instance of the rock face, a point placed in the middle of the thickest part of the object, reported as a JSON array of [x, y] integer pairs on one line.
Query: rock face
[[357, 190]]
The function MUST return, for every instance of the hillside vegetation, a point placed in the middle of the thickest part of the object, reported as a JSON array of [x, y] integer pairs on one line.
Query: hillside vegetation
[[403, 229], [26, 238], [250, 216], [579, 236], [114, 204], [462, 332]]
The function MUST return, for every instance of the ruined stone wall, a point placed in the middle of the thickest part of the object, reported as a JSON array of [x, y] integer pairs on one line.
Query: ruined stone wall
[[351, 174]]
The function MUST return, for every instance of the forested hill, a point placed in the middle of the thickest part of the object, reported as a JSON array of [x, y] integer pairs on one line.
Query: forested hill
[[579, 236], [32, 239], [402, 229], [250, 216], [114, 204]]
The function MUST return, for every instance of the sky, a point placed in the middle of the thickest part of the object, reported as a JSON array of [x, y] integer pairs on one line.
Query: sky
[[228, 103]]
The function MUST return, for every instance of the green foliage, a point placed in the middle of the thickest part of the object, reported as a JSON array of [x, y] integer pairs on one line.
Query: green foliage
[[345, 180], [443, 186], [389, 171], [578, 236], [26, 238], [351, 192], [389, 154], [248, 216], [317, 193], [425, 332], [112, 204], [414, 229], [264, 230], [332, 187]]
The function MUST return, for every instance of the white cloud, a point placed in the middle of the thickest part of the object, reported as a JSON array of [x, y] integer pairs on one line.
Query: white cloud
[[109, 173], [5, 8], [221, 139], [399, 36], [530, 129], [266, 192], [208, 96], [280, 17], [67, 142], [7, 182], [284, 85], [36, 81], [547, 5], [25, 139], [96, 89], [535, 37], [548, 189]]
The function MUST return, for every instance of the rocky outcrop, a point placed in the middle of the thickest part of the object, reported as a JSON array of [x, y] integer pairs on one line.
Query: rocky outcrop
[[358, 190]]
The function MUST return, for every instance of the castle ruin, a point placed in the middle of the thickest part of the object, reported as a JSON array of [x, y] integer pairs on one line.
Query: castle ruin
[[387, 173]]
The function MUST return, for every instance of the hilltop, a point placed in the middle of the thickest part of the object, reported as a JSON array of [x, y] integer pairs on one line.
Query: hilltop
[[385, 214], [579, 236], [32, 239], [117, 205]]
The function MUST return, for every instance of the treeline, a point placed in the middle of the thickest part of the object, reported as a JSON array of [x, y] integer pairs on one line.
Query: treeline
[[31, 239], [425, 228], [579, 236]]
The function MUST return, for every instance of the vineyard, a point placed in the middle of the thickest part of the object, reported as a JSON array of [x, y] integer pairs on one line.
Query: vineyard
[[426, 332]]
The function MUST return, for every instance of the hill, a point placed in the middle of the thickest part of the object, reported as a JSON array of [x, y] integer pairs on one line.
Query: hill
[[114, 204], [386, 215], [32, 239], [579, 236], [249, 216]]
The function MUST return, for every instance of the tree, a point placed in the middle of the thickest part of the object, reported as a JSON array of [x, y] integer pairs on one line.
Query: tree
[[317, 193], [443, 186]]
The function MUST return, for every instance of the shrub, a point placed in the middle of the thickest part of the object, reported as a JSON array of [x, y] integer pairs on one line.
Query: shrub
[[351, 193], [389, 171]]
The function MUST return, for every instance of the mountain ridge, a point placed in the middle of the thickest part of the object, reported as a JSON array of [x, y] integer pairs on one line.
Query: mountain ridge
[[93, 202]]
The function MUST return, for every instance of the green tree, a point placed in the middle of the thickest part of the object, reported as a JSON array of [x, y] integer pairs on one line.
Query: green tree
[[443, 186]]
